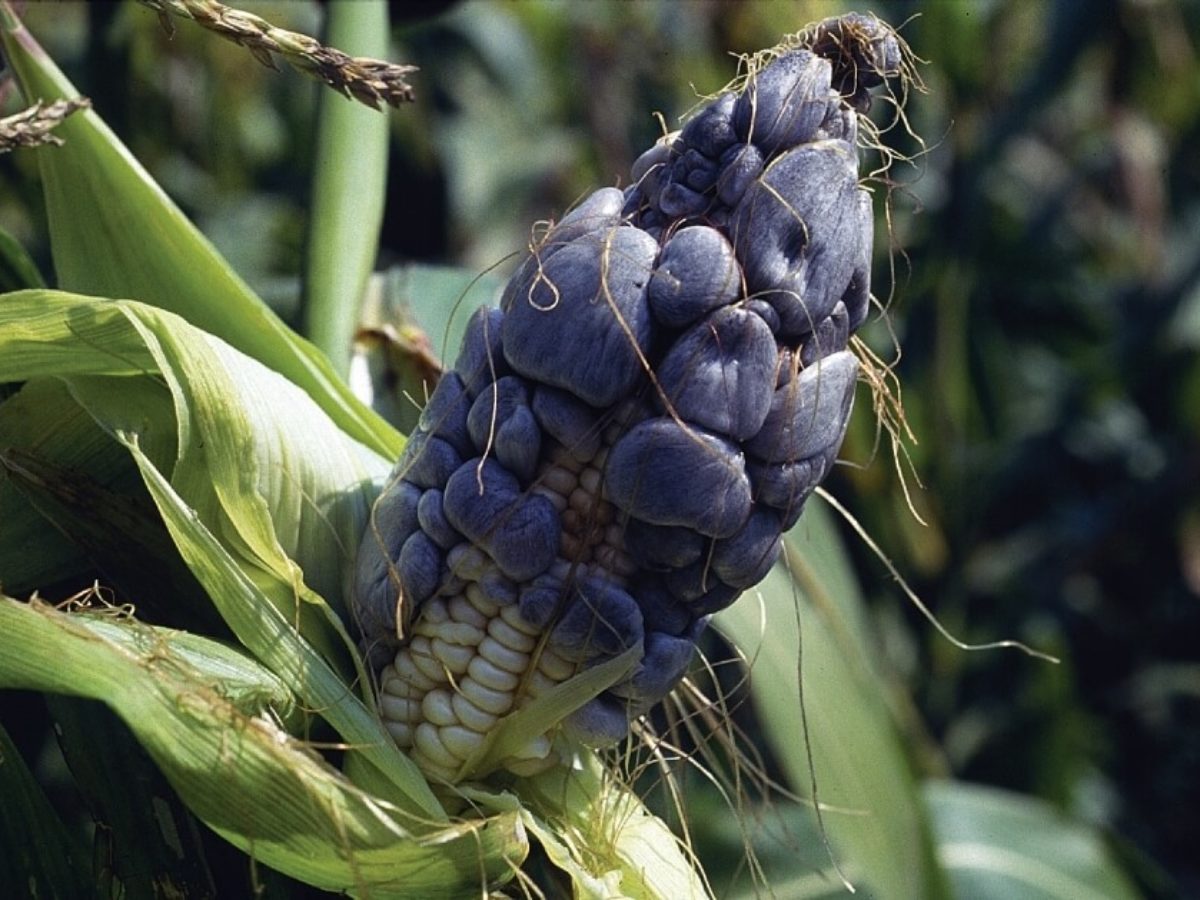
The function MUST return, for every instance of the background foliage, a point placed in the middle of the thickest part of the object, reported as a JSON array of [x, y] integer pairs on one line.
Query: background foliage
[[1047, 299]]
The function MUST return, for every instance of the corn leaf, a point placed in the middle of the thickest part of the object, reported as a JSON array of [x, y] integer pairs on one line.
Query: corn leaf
[[75, 504], [877, 826], [114, 233], [349, 188], [17, 270], [996, 845], [147, 843], [43, 415], [249, 686], [789, 857], [247, 778], [260, 627], [39, 854]]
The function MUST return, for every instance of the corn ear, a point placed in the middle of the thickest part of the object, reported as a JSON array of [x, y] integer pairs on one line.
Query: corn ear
[[620, 446]]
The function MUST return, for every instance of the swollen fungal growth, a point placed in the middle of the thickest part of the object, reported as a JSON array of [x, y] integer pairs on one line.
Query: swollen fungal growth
[[621, 444]]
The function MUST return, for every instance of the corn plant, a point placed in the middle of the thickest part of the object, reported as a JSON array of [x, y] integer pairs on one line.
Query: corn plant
[[397, 665]]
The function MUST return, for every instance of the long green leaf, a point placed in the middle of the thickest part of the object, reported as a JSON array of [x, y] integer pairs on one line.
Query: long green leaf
[[43, 415], [38, 853], [876, 821], [249, 780], [349, 189], [114, 233], [996, 845], [17, 270], [147, 844]]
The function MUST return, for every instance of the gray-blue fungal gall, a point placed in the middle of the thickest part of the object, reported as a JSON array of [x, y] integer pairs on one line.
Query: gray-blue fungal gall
[[655, 160], [420, 567], [598, 620], [601, 211], [857, 296], [601, 722], [569, 421], [794, 232], [711, 130], [808, 414], [864, 52], [700, 588], [662, 547], [669, 474], [501, 422], [666, 660], [717, 598], [744, 560], [785, 102], [679, 201], [542, 600], [661, 610], [519, 531], [696, 273], [526, 538], [721, 373], [376, 580], [831, 335], [433, 520], [764, 311], [480, 359], [694, 170], [428, 461], [741, 164], [841, 124], [785, 486], [393, 517], [497, 588], [582, 323], [445, 415], [621, 445]]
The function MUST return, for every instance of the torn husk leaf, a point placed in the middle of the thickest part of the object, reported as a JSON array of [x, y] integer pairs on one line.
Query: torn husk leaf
[[239, 772], [595, 827]]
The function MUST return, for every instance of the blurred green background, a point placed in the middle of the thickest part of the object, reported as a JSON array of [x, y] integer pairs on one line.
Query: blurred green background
[[1046, 241]]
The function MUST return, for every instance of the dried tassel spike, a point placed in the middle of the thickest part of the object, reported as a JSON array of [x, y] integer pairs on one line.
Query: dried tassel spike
[[369, 81], [34, 127]]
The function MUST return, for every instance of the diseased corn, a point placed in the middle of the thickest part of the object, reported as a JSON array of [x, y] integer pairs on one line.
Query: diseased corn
[[620, 445]]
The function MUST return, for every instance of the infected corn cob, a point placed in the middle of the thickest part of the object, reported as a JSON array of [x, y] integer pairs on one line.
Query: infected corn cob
[[621, 444]]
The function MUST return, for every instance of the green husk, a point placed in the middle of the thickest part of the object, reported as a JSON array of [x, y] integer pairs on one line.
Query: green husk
[[592, 825], [242, 496], [243, 775]]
